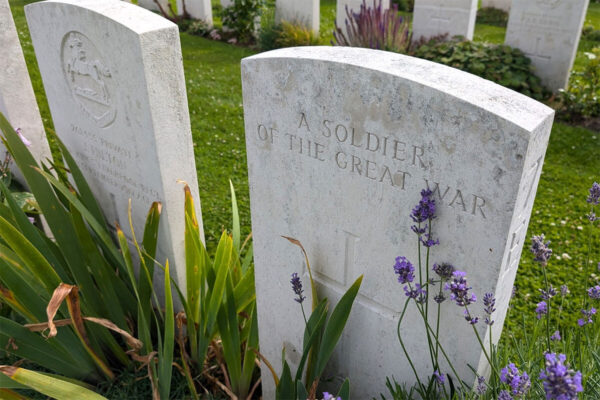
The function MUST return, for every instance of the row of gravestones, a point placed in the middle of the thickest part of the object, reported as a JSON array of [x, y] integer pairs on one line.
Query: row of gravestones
[[339, 143]]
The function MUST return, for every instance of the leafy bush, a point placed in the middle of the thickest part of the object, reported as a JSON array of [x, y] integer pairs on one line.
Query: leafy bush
[[502, 64], [197, 27], [405, 5], [582, 97], [492, 16], [589, 33], [241, 18], [374, 28], [286, 34]]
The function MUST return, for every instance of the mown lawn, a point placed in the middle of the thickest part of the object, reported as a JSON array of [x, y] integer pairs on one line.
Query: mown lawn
[[214, 93]]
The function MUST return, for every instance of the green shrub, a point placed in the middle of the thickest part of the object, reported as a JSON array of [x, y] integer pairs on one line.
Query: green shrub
[[286, 34], [375, 28], [198, 28], [492, 16], [582, 98], [241, 18], [589, 33], [502, 64], [405, 5]]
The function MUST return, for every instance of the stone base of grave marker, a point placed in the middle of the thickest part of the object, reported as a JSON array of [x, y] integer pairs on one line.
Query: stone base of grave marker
[[340, 141]]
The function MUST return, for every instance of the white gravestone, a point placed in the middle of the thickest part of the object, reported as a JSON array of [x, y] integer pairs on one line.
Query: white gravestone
[[114, 80], [197, 9], [353, 7], [498, 4], [17, 100], [340, 141], [303, 12], [548, 32], [439, 17]]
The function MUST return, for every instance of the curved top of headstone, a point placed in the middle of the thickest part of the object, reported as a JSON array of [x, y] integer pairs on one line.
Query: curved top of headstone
[[137, 19], [512, 106]]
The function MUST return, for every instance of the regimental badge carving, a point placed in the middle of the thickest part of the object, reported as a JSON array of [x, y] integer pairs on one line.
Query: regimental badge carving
[[548, 3], [88, 77]]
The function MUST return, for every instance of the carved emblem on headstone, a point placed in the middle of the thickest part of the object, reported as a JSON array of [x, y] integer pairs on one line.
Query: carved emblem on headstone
[[88, 77]]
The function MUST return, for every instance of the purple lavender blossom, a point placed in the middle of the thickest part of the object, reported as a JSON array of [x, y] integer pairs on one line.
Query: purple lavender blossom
[[418, 293], [514, 291], [439, 298], [594, 196], [489, 301], [555, 336], [594, 292], [592, 216], [297, 288], [329, 396], [540, 249], [481, 386], [427, 241], [460, 289], [504, 395], [440, 378], [587, 317], [425, 210], [560, 382], [404, 269], [547, 295], [470, 319], [541, 309], [444, 270], [519, 383], [564, 290]]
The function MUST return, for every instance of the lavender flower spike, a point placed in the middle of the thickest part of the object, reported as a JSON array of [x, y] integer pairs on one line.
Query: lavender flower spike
[[444, 271], [489, 301], [555, 336], [594, 197], [519, 383], [328, 396], [297, 287], [418, 293], [481, 386], [459, 289], [594, 292], [587, 317], [504, 395], [404, 269], [540, 249], [541, 309], [559, 381]]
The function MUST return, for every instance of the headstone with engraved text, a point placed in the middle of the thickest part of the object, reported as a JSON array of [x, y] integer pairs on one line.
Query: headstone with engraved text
[[17, 100], [438, 17], [340, 141], [548, 32], [114, 80]]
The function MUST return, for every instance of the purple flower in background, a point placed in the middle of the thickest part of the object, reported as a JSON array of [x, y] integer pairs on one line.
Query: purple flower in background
[[513, 294], [328, 396], [489, 301], [404, 269], [297, 287], [594, 292], [592, 216], [481, 386], [564, 290], [428, 241], [540, 249], [418, 293], [594, 196], [519, 383], [560, 382], [470, 319], [440, 378], [425, 210], [547, 295], [459, 289], [541, 309], [444, 270], [439, 298], [555, 336], [504, 395], [26, 141], [587, 317]]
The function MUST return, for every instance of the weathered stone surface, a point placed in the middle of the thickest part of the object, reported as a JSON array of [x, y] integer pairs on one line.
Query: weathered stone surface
[[548, 31], [114, 80], [197, 9], [17, 100], [353, 6], [438, 17], [340, 141], [305, 12], [499, 4]]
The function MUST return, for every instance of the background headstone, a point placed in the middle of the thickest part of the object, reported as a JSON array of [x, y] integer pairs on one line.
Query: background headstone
[[226, 3], [548, 32], [151, 5], [197, 9], [499, 4], [114, 81], [353, 6], [340, 141], [304, 12], [438, 17], [17, 100]]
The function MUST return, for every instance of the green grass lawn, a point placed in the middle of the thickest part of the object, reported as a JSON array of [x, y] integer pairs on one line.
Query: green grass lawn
[[212, 72]]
